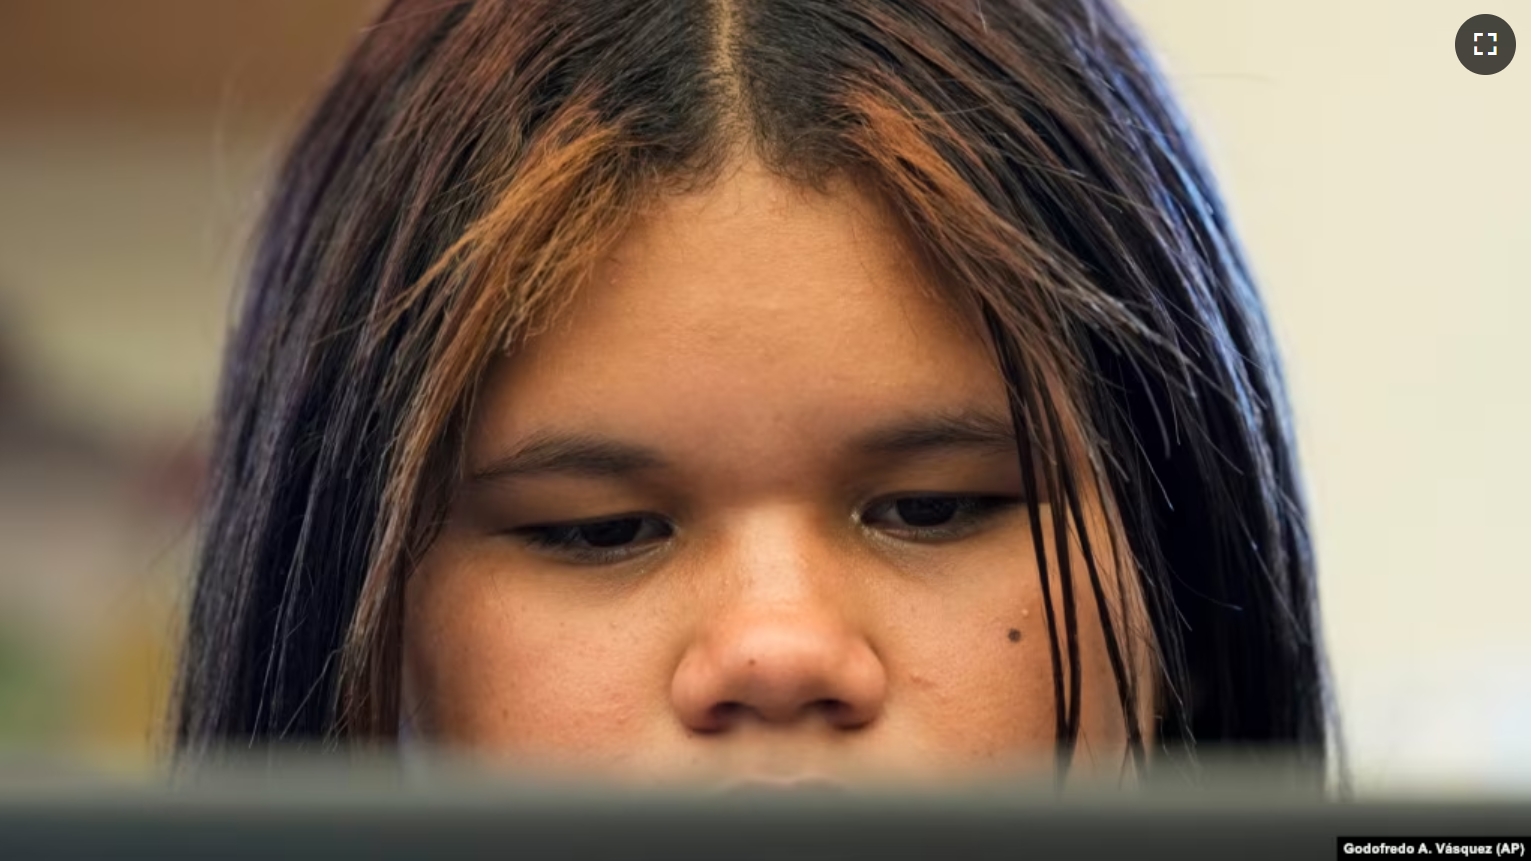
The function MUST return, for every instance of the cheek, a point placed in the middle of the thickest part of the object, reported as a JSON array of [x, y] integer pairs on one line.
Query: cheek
[[516, 670], [972, 652], [976, 691]]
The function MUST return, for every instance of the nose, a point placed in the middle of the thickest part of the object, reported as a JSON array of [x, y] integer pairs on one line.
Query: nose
[[779, 648]]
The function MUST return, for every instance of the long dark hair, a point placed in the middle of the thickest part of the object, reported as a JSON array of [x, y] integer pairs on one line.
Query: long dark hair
[[471, 160]]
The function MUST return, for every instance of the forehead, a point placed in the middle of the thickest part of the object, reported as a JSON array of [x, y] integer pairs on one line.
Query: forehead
[[754, 308]]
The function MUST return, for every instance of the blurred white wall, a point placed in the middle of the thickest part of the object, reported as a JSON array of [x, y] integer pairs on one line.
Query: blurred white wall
[[1383, 193]]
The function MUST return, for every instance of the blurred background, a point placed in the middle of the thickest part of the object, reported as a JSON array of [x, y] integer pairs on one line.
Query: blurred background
[[1382, 191]]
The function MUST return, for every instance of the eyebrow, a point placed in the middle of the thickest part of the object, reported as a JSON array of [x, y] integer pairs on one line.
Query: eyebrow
[[922, 434], [591, 456], [574, 454]]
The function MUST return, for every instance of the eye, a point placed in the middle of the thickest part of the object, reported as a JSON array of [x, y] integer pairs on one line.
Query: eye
[[934, 516], [597, 542]]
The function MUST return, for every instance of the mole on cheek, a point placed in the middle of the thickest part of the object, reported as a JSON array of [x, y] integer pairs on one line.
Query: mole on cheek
[[1014, 635]]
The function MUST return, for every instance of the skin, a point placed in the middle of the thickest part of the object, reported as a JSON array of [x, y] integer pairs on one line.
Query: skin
[[776, 617]]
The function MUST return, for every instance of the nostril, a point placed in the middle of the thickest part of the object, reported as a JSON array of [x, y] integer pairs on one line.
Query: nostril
[[725, 714], [830, 708], [841, 713], [722, 714]]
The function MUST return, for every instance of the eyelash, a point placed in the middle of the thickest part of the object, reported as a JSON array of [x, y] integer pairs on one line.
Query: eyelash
[[971, 514], [562, 538]]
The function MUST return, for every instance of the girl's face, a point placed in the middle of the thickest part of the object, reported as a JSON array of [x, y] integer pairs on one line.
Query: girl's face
[[751, 510]]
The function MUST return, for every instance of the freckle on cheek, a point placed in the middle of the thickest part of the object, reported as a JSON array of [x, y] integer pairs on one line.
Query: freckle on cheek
[[1014, 635]]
